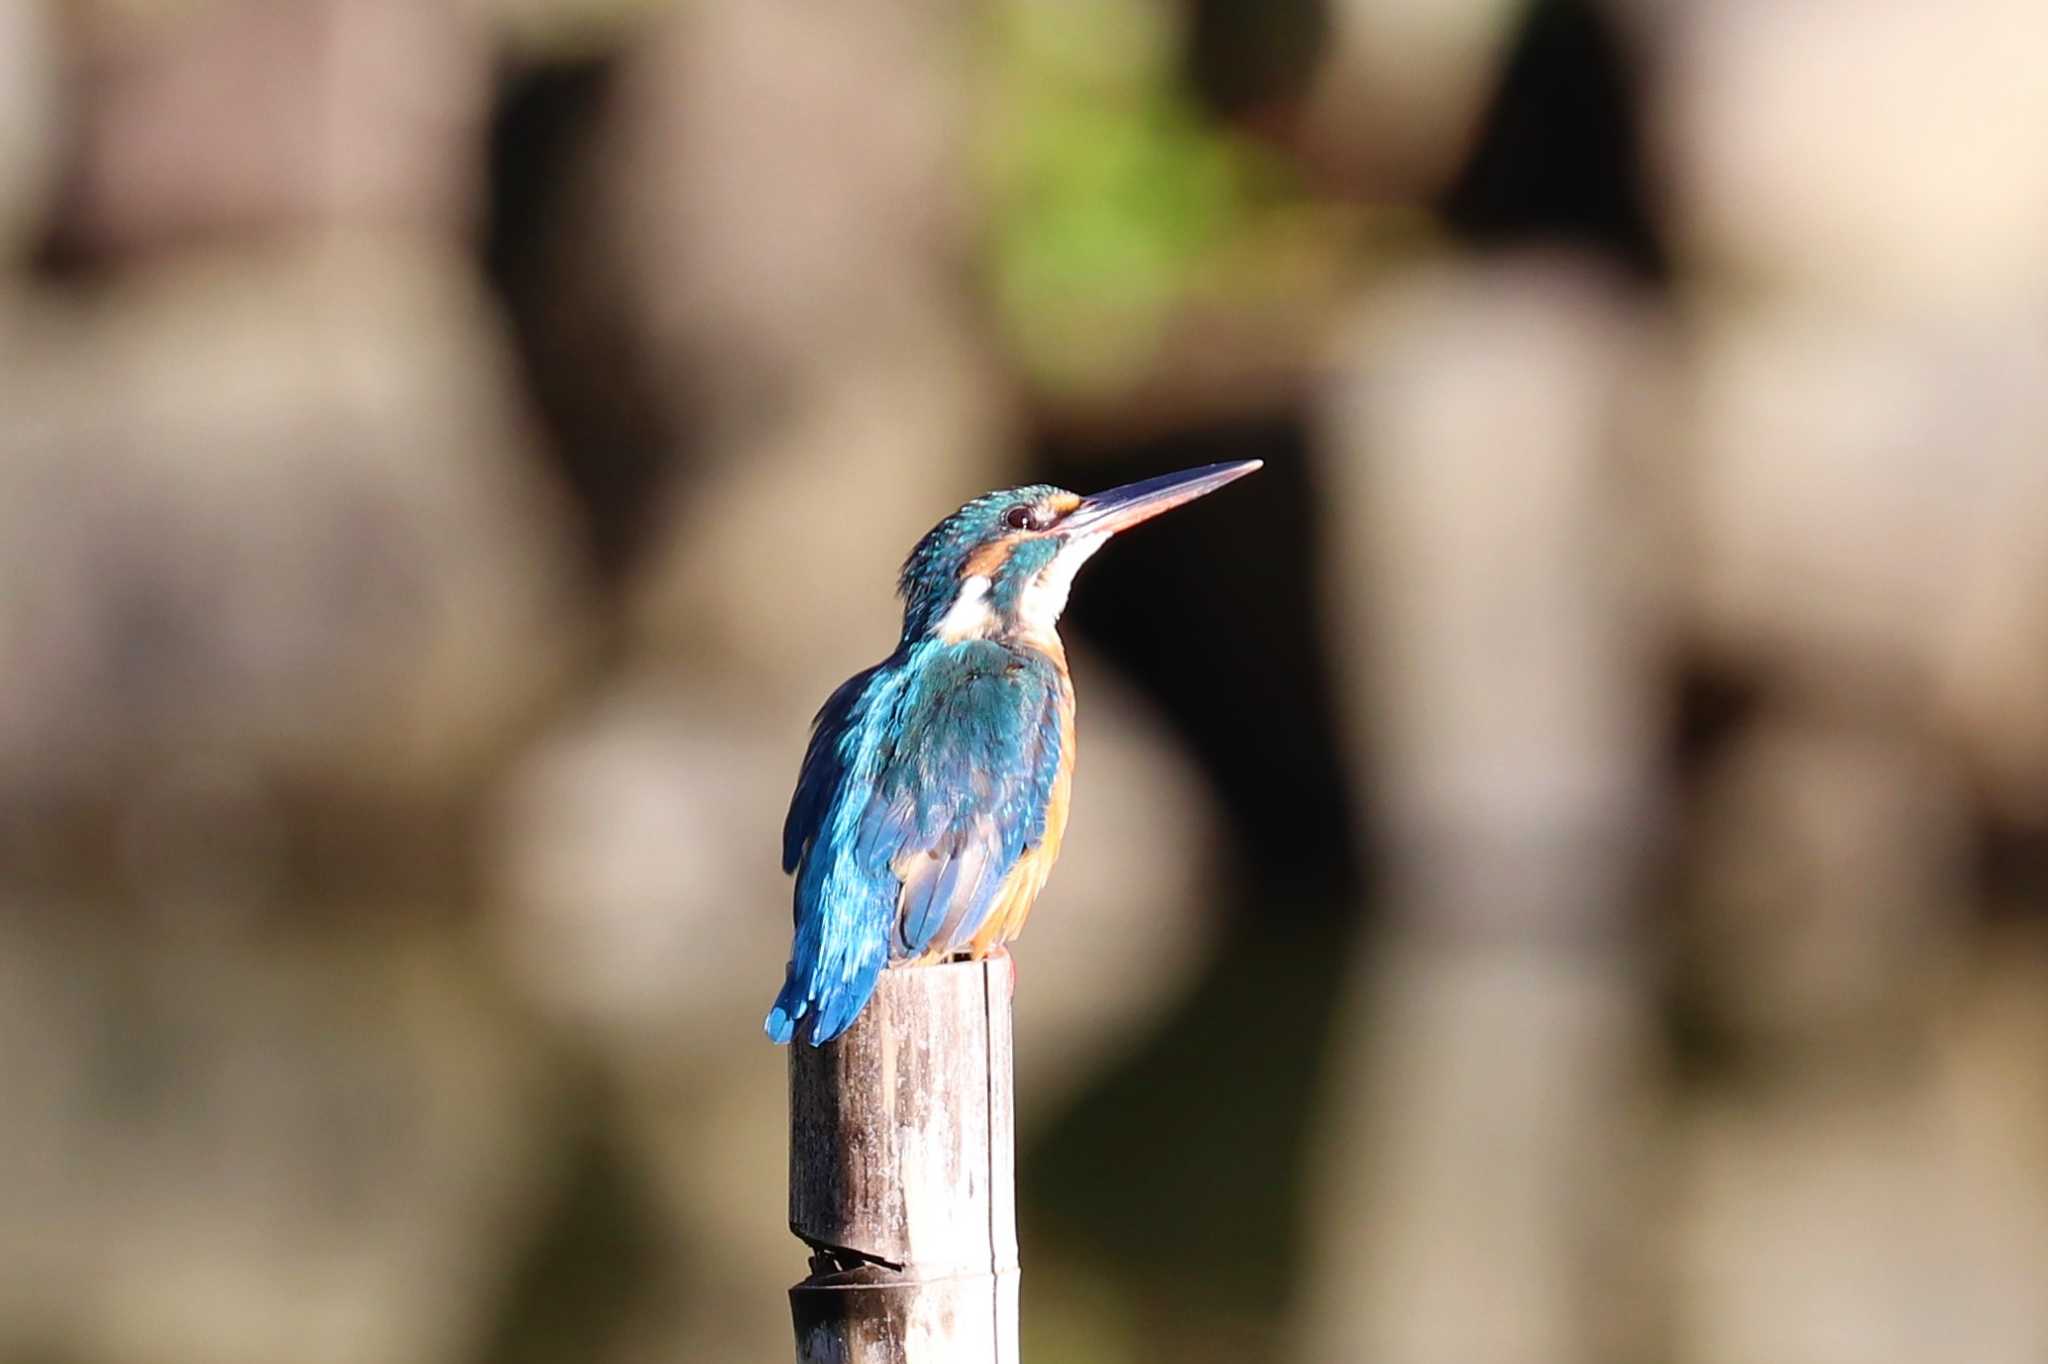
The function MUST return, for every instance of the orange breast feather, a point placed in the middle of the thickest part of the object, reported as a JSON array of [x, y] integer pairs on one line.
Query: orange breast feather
[[1019, 891]]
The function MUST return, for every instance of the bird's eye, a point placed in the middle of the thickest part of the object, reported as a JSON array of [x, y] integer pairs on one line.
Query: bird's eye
[[1023, 516]]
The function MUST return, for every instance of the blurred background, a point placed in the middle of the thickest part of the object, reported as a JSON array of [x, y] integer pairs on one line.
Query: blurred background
[[1559, 858]]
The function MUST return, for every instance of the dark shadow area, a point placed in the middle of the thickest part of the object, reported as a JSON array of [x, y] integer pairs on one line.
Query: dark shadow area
[[1244, 56], [1215, 614], [1560, 156], [554, 273]]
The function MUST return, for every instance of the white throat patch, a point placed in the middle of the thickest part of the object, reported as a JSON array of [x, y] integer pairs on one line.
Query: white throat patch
[[1046, 595], [969, 616]]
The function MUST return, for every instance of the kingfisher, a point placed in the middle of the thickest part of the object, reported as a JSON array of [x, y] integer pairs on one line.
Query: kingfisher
[[933, 794]]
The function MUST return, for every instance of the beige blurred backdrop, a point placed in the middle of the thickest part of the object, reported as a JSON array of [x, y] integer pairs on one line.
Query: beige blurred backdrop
[[1558, 862]]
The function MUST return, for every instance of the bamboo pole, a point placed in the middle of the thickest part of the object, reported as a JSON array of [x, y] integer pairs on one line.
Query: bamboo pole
[[901, 1175]]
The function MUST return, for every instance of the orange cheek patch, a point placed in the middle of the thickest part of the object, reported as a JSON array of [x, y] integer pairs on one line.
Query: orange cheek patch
[[985, 561]]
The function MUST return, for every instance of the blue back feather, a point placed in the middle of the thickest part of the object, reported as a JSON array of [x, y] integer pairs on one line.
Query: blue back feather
[[926, 778]]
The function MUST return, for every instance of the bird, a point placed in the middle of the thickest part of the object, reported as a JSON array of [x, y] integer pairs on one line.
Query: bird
[[933, 793]]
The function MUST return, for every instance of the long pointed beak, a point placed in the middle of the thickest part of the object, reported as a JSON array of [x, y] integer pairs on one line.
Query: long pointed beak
[[1121, 508]]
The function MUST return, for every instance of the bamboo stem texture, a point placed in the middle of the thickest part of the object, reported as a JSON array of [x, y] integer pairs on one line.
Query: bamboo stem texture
[[902, 1176]]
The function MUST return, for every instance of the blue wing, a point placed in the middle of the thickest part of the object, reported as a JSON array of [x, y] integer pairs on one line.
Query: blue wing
[[913, 806], [824, 767]]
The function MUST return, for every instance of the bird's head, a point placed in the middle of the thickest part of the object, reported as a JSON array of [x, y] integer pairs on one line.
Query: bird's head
[[1002, 564]]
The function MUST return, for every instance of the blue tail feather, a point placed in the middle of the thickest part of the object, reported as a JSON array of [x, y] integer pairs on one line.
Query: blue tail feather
[[829, 1005], [783, 1018]]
